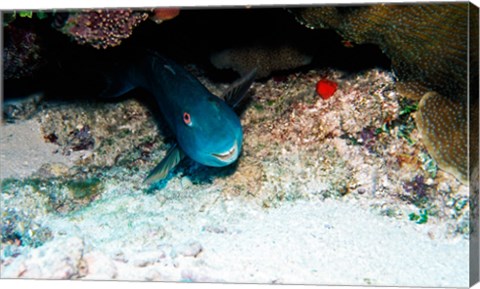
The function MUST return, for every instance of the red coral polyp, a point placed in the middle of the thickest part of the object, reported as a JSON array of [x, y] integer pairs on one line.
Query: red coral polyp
[[326, 88]]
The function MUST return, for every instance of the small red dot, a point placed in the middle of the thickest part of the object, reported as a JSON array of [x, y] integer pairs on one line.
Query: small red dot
[[326, 88]]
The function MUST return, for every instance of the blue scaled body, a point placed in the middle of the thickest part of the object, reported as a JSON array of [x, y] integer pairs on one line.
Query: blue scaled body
[[206, 127]]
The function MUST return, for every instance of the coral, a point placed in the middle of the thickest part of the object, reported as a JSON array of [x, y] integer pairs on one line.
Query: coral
[[102, 28], [22, 51], [367, 137], [433, 55], [163, 14], [428, 46], [474, 105], [417, 190], [265, 59], [443, 125]]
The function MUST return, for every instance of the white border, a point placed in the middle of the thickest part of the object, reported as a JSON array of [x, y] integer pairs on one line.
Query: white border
[[42, 284], [56, 4]]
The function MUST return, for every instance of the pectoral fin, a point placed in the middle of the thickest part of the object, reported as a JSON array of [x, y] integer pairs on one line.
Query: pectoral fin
[[238, 90], [171, 159]]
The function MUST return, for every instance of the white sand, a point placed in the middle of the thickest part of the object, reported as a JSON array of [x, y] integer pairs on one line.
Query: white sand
[[328, 242], [23, 150]]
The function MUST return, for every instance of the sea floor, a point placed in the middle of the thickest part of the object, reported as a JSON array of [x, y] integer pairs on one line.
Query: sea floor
[[336, 191]]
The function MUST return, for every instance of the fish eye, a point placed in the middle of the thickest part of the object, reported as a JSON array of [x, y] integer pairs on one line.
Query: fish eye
[[187, 119]]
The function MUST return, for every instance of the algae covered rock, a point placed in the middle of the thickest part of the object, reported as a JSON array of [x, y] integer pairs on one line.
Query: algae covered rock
[[428, 45], [23, 53]]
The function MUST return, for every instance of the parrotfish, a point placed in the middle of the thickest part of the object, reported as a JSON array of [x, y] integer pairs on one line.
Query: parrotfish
[[206, 127]]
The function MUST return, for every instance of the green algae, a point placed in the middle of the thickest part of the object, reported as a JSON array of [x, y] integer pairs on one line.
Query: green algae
[[420, 218], [11, 185], [84, 189], [63, 195]]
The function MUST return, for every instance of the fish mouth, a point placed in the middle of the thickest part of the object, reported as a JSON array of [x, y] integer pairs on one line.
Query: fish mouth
[[229, 155]]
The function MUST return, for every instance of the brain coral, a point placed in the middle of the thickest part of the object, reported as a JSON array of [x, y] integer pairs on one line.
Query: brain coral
[[443, 126], [428, 46], [102, 28]]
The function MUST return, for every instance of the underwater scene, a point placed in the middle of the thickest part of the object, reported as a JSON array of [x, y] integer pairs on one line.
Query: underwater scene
[[326, 145]]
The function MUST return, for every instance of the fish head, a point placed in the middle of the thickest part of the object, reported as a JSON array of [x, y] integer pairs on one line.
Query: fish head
[[209, 131]]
